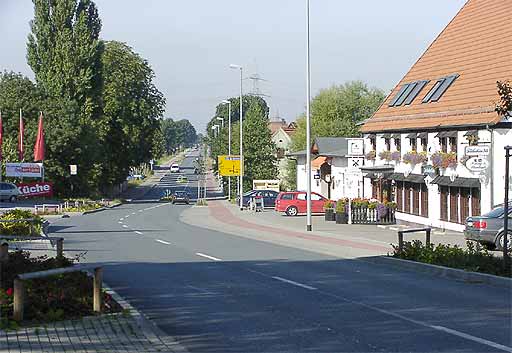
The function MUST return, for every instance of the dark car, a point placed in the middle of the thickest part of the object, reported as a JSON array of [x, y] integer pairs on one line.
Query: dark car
[[487, 229], [269, 197], [180, 197]]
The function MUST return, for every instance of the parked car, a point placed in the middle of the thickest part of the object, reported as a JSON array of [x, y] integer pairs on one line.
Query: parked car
[[175, 168], [9, 192], [269, 197], [180, 197], [294, 202], [182, 179], [487, 229]]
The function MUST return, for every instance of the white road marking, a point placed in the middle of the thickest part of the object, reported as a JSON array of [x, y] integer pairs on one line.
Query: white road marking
[[393, 228], [120, 222], [294, 283], [133, 213], [122, 219], [127, 216], [473, 338], [208, 256], [381, 226], [142, 210], [163, 242], [139, 233], [125, 226]]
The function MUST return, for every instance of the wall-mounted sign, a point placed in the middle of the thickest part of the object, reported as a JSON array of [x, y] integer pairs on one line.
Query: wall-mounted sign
[[73, 169], [42, 189], [355, 162], [477, 164], [24, 170], [355, 147], [477, 150], [428, 170]]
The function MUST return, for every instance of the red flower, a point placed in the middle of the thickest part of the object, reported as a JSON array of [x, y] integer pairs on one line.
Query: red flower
[[9, 292]]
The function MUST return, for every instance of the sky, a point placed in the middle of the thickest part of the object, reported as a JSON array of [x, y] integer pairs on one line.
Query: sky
[[190, 45]]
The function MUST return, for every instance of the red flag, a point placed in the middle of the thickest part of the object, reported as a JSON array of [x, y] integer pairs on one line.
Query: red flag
[[39, 147], [21, 150], [1, 136]]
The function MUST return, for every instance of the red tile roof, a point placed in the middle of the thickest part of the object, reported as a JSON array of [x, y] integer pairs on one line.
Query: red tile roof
[[477, 45]]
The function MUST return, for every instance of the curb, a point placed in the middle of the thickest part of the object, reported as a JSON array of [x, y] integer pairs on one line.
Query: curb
[[444, 272], [150, 330], [104, 208]]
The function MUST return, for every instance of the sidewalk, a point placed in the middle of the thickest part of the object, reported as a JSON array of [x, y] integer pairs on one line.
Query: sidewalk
[[348, 241]]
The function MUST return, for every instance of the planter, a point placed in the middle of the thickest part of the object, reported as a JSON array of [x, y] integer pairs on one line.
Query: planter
[[330, 216], [341, 218]]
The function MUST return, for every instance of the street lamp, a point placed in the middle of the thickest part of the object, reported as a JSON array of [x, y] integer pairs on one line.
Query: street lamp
[[309, 227], [240, 178], [221, 119], [225, 101], [215, 127], [506, 235]]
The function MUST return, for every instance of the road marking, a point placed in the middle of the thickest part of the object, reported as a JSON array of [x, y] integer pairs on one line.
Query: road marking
[[163, 242], [133, 213], [393, 228], [142, 210], [125, 226], [127, 216], [208, 256], [120, 222], [381, 226], [139, 233], [473, 338], [122, 219], [294, 283]]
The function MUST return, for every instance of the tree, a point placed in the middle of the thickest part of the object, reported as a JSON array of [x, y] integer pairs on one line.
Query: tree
[[177, 133], [131, 106], [336, 111], [64, 51], [504, 107]]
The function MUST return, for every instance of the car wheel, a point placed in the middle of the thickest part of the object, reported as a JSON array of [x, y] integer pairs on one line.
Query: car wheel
[[12, 199], [501, 239], [292, 211]]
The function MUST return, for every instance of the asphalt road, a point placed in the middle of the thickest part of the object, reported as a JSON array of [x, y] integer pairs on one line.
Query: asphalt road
[[217, 292]]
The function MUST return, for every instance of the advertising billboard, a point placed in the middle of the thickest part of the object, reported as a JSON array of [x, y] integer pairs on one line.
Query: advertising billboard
[[24, 170]]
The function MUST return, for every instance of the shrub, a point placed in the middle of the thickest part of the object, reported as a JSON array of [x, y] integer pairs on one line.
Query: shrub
[[21, 228], [475, 258], [340, 206], [371, 155]]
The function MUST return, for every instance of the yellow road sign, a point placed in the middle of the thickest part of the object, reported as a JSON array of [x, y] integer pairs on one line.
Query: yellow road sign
[[229, 165]]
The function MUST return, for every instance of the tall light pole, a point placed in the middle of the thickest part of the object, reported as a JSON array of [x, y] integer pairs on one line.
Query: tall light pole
[[241, 177], [229, 141], [309, 227], [221, 119]]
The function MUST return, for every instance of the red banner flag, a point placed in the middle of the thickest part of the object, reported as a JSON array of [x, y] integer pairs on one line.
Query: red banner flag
[[1, 136], [39, 147], [21, 150]]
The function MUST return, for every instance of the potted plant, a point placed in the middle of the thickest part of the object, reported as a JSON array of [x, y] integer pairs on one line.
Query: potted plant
[[341, 213], [371, 155], [329, 211], [385, 155], [396, 156]]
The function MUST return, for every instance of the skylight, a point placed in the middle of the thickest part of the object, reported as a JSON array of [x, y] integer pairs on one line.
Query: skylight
[[439, 88], [407, 93]]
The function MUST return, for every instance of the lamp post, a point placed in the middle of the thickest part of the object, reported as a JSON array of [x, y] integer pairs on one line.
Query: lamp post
[[506, 257], [309, 227], [240, 178], [229, 141], [221, 119]]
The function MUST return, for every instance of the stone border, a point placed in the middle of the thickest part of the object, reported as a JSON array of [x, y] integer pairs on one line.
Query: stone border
[[444, 272]]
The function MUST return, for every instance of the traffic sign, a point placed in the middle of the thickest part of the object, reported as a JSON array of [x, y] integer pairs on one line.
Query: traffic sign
[[229, 165]]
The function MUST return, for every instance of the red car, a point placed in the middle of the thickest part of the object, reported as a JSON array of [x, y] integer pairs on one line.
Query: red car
[[294, 202]]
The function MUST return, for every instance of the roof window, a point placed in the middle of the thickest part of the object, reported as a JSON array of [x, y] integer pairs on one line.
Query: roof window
[[439, 88], [407, 93]]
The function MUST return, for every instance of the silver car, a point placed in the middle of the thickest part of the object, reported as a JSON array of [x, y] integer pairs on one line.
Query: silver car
[[487, 229], [8, 192]]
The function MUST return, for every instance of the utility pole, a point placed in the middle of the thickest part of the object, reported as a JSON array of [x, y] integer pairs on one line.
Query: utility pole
[[506, 257]]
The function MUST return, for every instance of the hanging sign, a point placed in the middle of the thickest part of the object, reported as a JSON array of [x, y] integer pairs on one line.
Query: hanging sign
[[477, 150], [24, 170], [477, 164]]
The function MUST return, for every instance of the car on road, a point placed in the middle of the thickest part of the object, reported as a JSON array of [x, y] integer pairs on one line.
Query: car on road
[[180, 197], [182, 179], [487, 229], [175, 168], [269, 197], [293, 203], [9, 192]]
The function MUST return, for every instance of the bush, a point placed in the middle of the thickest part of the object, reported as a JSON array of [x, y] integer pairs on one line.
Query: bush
[[475, 258], [341, 206], [21, 228], [328, 205]]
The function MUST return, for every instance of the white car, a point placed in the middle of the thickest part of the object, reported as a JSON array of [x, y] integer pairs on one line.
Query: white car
[[175, 168]]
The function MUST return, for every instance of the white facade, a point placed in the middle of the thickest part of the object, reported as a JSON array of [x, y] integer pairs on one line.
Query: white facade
[[490, 180], [282, 140]]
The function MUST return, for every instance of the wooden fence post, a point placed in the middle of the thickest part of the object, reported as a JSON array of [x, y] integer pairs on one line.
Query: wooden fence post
[[19, 298], [400, 241], [60, 247], [97, 296]]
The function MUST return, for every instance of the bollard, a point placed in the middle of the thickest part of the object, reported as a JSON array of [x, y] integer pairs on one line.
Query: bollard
[[60, 247], [427, 237], [19, 297], [400, 241], [97, 295]]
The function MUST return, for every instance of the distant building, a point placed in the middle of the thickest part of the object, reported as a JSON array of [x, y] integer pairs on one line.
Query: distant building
[[282, 137], [436, 145]]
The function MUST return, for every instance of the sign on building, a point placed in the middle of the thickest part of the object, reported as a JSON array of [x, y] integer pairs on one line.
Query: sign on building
[[265, 185], [477, 150], [24, 170], [477, 164], [355, 147], [42, 189], [229, 165], [355, 162]]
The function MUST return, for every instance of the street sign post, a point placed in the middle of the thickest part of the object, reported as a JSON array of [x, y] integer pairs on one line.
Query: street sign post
[[229, 165]]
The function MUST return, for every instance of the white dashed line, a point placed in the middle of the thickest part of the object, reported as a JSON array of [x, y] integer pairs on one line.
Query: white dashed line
[[122, 219], [162, 241], [473, 338], [125, 226], [133, 213], [139, 233], [120, 222], [208, 256], [293, 283], [141, 210]]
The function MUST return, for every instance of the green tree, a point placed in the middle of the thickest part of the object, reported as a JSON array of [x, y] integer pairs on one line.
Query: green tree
[[64, 51], [336, 111], [504, 107]]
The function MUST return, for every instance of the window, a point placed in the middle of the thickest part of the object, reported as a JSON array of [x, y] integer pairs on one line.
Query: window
[[424, 200], [315, 197], [416, 199], [398, 144], [444, 144], [475, 202], [424, 144], [387, 141], [454, 205], [414, 93], [399, 195], [398, 95], [464, 203], [444, 203], [439, 88], [414, 146], [373, 142], [407, 93], [407, 197], [453, 144], [287, 197], [302, 197]]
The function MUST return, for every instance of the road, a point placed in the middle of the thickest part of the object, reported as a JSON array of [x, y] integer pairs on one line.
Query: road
[[217, 292]]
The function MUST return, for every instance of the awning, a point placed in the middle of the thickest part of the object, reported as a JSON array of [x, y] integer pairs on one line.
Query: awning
[[386, 136], [395, 136], [317, 163], [378, 169], [447, 134], [396, 176], [458, 182], [412, 136], [423, 135], [411, 178], [471, 133]]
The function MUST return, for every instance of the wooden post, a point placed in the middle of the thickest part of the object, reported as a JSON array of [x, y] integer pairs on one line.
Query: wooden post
[[97, 296], [60, 247], [400, 241], [427, 237], [19, 297]]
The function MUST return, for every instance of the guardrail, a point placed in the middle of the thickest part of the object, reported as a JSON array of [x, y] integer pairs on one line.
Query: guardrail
[[19, 286], [401, 233]]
